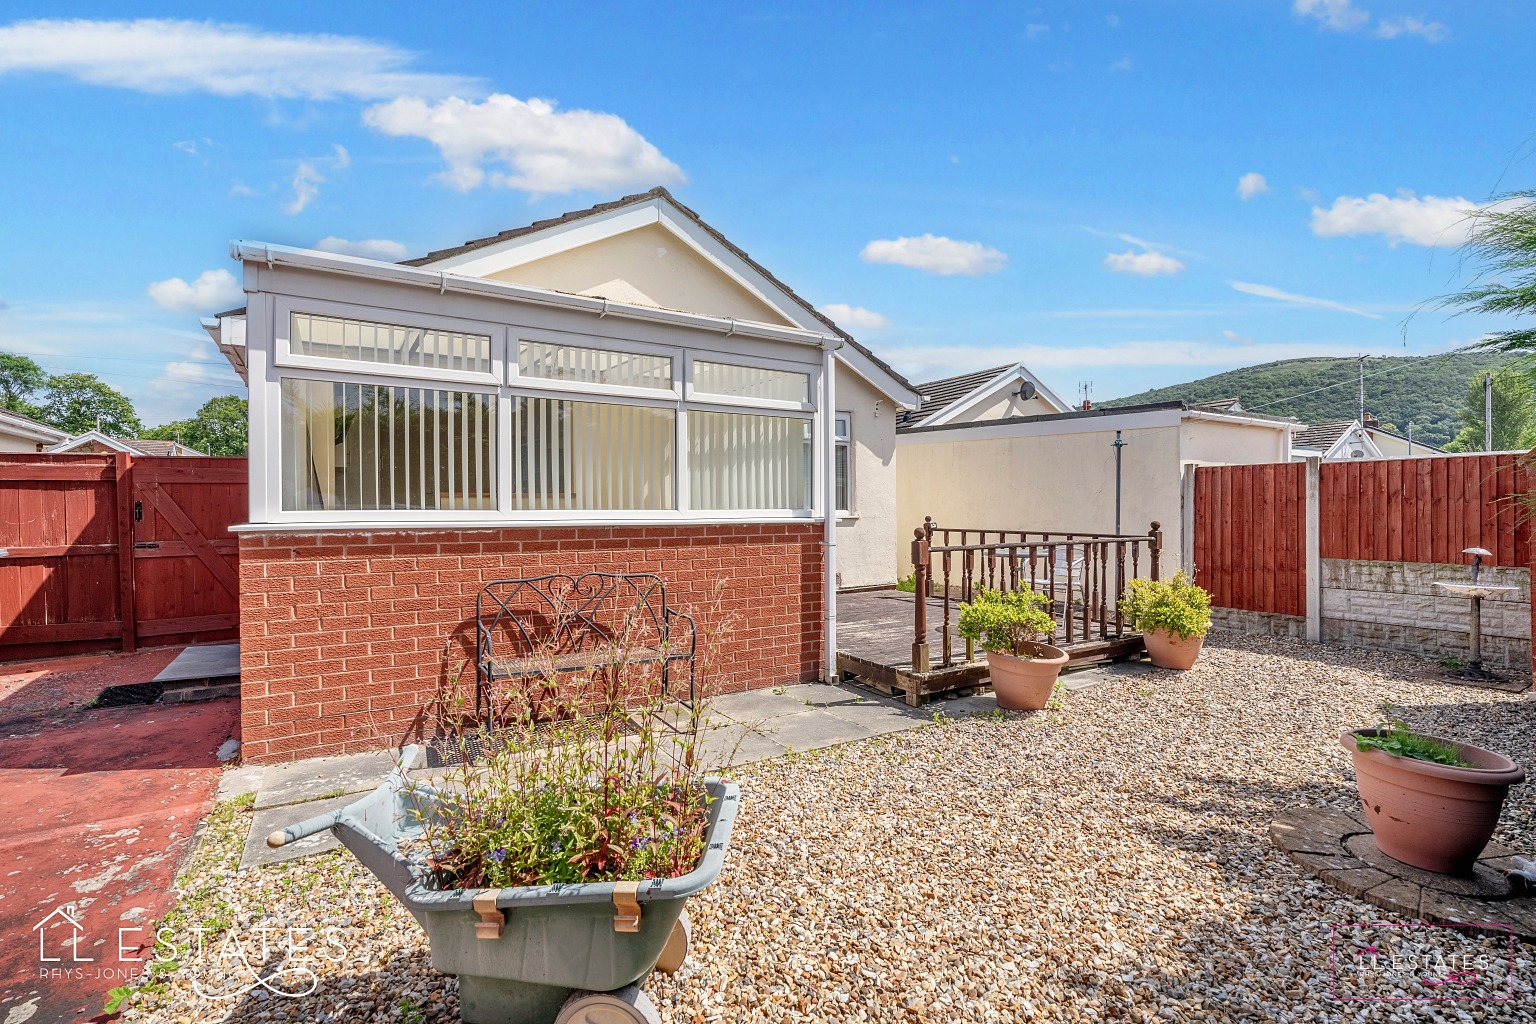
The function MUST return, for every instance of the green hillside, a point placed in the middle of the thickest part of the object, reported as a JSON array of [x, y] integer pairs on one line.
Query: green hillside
[[1426, 391]]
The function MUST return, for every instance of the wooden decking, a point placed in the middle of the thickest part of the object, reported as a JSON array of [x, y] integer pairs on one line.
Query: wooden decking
[[874, 642]]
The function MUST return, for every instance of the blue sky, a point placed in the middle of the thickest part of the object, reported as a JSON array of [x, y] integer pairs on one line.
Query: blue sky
[[1052, 182]]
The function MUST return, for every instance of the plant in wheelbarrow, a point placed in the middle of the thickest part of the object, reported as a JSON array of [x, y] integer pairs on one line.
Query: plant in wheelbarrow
[[1432, 803], [1013, 628], [1173, 616], [551, 861]]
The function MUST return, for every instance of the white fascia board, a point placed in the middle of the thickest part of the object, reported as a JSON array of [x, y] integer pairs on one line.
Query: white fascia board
[[1043, 427], [228, 334], [32, 431], [877, 378], [1016, 372], [88, 437], [444, 282], [557, 238], [1237, 418]]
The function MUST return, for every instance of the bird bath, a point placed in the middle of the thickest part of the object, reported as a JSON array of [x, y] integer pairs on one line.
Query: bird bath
[[1476, 592]]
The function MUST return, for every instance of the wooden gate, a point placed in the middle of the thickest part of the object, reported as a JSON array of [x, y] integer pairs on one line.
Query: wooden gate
[[113, 551]]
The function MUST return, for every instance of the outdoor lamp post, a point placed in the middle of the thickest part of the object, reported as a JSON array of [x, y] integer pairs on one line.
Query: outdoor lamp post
[[1117, 444]]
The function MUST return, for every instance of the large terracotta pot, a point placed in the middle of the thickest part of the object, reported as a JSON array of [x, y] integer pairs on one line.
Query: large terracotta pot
[[1432, 816], [1168, 650], [1024, 684]]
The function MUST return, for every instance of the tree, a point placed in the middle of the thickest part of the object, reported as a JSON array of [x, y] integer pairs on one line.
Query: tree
[[221, 427], [20, 379], [78, 402], [1514, 414], [1503, 242]]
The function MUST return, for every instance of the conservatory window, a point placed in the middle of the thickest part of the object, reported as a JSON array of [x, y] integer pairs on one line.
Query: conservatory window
[[753, 382], [347, 446], [333, 337], [843, 438], [739, 461], [592, 456], [583, 365]]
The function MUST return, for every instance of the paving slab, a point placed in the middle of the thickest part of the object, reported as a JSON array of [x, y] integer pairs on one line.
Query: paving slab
[[879, 718], [813, 730], [323, 777], [755, 705], [265, 822], [240, 781], [736, 745], [213, 661]]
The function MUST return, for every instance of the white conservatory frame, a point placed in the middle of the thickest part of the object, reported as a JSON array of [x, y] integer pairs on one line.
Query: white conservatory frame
[[280, 281]]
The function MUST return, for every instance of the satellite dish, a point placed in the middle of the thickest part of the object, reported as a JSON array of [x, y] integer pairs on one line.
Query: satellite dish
[[1358, 453], [1026, 390]]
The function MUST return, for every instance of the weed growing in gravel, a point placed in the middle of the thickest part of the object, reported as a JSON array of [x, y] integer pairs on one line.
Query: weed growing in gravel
[[1394, 737]]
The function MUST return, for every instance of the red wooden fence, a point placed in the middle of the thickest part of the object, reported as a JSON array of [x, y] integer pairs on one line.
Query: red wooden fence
[[1250, 540], [1250, 521], [104, 551], [1424, 510]]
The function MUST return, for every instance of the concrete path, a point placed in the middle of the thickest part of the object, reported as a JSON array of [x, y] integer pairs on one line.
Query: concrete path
[[739, 728]]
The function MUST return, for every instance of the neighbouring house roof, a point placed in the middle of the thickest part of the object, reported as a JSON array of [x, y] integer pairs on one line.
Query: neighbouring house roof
[[439, 255], [1415, 441], [1322, 436], [1220, 405], [948, 396], [26, 426], [1109, 412], [95, 439]]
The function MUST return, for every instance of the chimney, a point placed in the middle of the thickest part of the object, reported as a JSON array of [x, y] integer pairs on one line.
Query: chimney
[[1371, 421], [1087, 405]]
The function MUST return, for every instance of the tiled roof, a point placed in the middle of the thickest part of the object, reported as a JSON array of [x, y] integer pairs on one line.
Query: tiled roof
[[633, 200], [1219, 405], [940, 394], [148, 446], [1321, 436]]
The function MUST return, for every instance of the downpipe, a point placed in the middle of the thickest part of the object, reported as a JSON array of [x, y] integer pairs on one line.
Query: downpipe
[[829, 349]]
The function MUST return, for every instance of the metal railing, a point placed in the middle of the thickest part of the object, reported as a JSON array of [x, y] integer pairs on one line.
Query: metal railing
[[1082, 575]]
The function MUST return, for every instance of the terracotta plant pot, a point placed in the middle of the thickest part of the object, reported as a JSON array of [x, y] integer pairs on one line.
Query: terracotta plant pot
[[1432, 816], [1024, 684], [1169, 650]]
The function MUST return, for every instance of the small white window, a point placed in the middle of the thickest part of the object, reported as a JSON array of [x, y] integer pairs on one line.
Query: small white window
[[844, 453], [736, 381], [333, 337], [583, 365]]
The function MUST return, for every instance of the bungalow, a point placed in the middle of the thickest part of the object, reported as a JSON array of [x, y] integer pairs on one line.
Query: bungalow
[[619, 388], [20, 433], [94, 442]]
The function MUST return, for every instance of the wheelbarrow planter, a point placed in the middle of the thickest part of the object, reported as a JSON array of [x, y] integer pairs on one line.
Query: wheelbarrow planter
[[539, 953]]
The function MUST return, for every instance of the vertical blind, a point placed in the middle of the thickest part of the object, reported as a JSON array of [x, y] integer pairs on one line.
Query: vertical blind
[[368, 446], [750, 382], [593, 365], [592, 456], [740, 461], [336, 338]]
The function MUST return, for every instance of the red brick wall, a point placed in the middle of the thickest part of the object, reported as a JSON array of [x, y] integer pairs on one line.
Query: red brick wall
[[342, 637]]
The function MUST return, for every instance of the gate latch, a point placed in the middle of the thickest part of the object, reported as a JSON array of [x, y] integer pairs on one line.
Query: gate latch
[[138, 511], [147, 544]]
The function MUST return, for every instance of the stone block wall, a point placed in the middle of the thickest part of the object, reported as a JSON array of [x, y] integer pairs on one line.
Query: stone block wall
[[1395, 606]]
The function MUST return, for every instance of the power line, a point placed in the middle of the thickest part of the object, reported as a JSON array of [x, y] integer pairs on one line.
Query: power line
[[1350, 381]]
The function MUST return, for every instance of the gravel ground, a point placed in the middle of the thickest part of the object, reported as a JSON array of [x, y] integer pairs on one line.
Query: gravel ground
[[1109, 860]]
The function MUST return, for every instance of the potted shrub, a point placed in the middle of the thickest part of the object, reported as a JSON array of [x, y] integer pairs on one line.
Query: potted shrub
[[1173, 615], [550, 860], [1012, 628], [1431, 802]]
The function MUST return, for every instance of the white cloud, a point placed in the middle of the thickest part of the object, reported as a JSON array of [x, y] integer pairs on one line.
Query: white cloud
[[368, 248], [167, 56], [928, 362], [240, 188], [1338, 15], [1250, 185], [1034, 30], [1391, 28], [1123, 64], [1232, 335], [212, 291], [307, 178], [855, 317], [935, 254], [1112, 20], [1344, 16], [1143, 264], [1265, 291], [544, 150], [1405, 217]]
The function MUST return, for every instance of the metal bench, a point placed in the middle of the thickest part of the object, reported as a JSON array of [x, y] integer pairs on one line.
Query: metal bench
[[549, 626]]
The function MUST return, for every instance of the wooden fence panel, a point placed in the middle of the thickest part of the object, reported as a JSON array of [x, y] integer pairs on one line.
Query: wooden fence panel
[[1424, 510], [92, 558], [1249, 550]]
